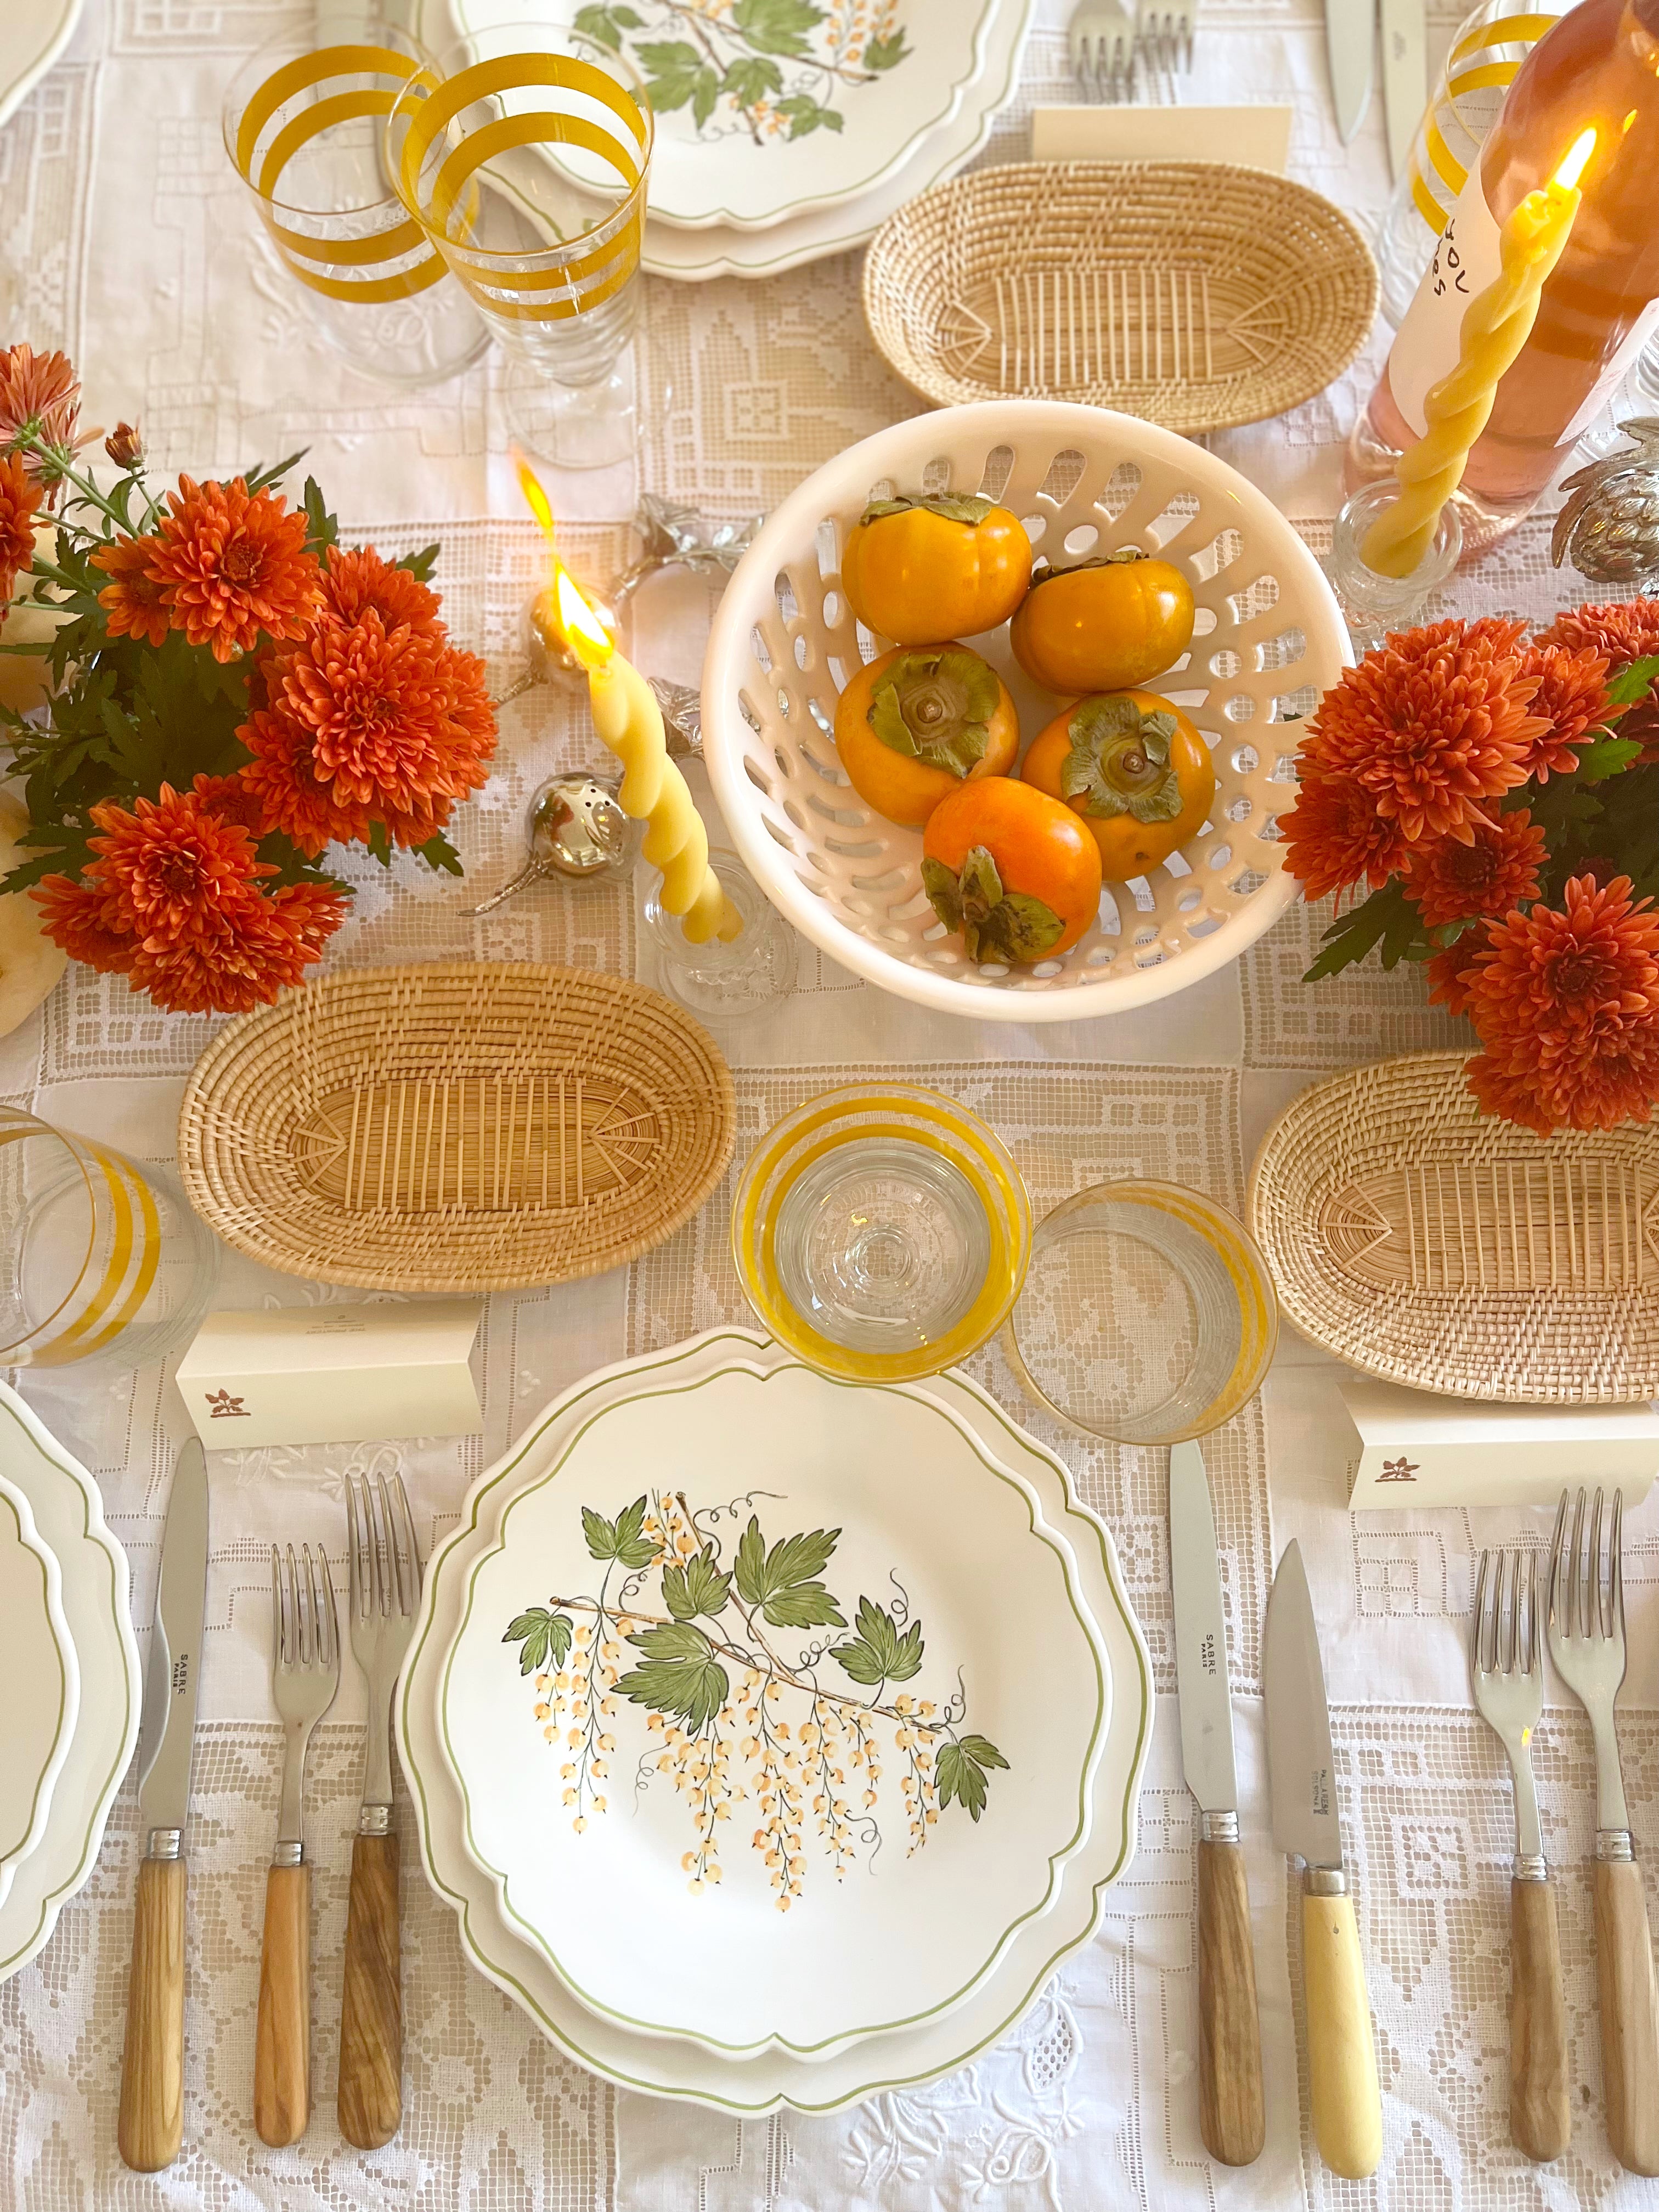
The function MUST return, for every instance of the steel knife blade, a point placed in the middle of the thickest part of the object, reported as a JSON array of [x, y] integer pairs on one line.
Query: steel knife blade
[[1200, 1631], [1405, 78], [1350, 38], [1300, 1772], [174, 1673]]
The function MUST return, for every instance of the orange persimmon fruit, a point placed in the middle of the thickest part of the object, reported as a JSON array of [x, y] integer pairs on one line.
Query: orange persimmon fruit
[[924, 570], [1105, 625], [918, 722], [1013, 870], [1134, 768]]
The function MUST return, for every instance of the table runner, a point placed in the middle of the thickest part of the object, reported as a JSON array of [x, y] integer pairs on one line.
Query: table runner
[[125, 242]]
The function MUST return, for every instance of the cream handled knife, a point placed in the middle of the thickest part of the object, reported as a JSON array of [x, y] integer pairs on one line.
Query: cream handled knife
[[1350, 47], [1347, 2109], [150, 2124], [1405, 78], [1231, 2116]]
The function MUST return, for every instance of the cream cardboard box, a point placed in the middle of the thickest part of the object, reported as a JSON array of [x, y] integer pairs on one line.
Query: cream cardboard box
[[324, 1375], [1415, 1449]]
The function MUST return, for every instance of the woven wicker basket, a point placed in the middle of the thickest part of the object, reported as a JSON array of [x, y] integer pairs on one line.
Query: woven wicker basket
[[1198, 294], [1432, 1245], [455, 1126]]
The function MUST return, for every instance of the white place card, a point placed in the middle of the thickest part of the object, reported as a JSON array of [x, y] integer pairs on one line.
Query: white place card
[[1415, 1449], [333, 1374], [1257, 137]]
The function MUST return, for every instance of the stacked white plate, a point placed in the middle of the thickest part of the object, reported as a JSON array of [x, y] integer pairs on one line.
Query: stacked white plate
[[787, 130], [773, 1739], [69, 1718]]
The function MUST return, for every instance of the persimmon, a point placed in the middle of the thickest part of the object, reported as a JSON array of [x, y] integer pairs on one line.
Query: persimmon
[[924, 570], [1135, 769], [1104, 625], [918, 722], [1015, 871]]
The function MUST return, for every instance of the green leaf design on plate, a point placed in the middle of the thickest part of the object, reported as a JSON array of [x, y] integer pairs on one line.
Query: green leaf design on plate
[[544, 1637], [994, 924], [969, 511], [878, 1653], [1119, 762], [679, 1674], [962, 1772], [697, 1587], [887, 53], [776, 27], [619, 1539], [783, 1582], [935, 705]]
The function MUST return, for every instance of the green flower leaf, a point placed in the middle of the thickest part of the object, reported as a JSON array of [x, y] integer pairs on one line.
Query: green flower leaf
[[783, 1582], [697, 1587], [678, 76], [887, 53], [1634, 681], [878, 1653], [776, 27], [961, 1774], [544, 1637], [1119, 762], [994, 924], [1606, 757], [805, 115], [619, 1539], [935, 705], [972, 511], [751, 80], [679, 1675]]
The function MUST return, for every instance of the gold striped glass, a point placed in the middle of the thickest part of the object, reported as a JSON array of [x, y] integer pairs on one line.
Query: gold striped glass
[[526, 166], [304, 127], [101, 1256]]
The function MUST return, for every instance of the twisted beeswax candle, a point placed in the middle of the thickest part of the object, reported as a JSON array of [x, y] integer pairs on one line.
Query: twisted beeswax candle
[[1495, 326]]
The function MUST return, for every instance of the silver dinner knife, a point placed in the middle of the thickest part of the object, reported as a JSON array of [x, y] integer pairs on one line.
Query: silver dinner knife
[[1405, 78], [1350, 38], [1347, 2110], [1231, 2116], [150, 2126]]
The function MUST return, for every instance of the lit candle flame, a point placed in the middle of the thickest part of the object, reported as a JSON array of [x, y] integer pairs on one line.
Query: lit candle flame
[[577, 623], [1577, 161], [535, 498]]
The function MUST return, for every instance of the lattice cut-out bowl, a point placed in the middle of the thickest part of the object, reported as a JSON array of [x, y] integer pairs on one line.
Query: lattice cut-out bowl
[[1269, 639]]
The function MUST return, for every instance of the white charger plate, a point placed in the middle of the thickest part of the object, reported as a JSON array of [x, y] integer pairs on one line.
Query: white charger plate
[[42, 1683], [32, 33], [674, 2068], [811, 1878], [762, 112], [723, 250], [68, 1516]]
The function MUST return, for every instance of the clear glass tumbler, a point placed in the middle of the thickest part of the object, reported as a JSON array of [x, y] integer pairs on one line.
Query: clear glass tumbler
[[304, 128], [526, 166], [101, 1256]]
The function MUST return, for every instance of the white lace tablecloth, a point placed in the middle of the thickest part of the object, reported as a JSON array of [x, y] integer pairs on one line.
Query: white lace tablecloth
[[124, 240]]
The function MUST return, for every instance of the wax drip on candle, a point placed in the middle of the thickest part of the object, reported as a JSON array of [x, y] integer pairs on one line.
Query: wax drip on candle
[[1495, 326], [629, 723]]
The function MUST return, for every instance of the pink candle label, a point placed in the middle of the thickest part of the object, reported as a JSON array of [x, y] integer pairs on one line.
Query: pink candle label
[[1465, 261]]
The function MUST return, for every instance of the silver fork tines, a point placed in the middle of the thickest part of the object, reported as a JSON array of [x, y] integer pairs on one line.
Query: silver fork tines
[[1103, 50], [1506, 1663], [1587, 1644], [305, 1674], [385, 1584]]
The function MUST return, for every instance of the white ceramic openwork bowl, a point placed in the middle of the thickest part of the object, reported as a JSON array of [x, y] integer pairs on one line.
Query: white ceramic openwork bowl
[[1269, 639]]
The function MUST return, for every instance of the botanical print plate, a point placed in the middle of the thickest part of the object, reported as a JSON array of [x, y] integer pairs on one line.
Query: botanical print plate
[[95, 1589], [671, 2067], [42, 1684], [32, 36], [773, 1706], [766, 108]]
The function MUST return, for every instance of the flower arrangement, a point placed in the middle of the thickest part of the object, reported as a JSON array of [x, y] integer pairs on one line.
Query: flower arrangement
[[231, 692], [1498, 796]]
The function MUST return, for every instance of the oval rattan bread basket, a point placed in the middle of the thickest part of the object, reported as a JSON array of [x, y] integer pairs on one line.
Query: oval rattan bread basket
[[1426, 1243], [1200, 294], [455, 1126]]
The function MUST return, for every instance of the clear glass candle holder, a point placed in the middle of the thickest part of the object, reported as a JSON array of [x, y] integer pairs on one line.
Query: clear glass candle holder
[[724, 984], [1375, 604]]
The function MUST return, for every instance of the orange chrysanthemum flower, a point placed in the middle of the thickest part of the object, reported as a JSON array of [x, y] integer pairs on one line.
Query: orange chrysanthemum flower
[[72, 916], [399, 720], [274, 938], [131, 600], [233, 566], [1337, 838], [1621, 631], [20, 500], [41, 394], [1430, 725], [282, 780], [355, 583], [1451, 972], [1570, 701], [1498, 868], [231, 800], [1566, 1007]]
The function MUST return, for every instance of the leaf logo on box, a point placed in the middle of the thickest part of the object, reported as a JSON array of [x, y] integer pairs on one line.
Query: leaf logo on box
[[223, 1407], [1399, 1470]]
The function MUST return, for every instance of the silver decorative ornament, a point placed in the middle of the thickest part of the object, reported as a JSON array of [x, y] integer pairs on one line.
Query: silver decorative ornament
[[1610, 526]]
